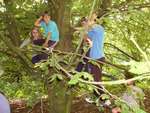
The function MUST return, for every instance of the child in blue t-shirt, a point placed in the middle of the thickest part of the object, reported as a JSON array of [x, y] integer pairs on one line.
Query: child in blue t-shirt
[[50, 29]]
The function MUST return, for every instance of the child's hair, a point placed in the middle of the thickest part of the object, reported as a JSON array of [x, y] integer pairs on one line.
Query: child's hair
[[83, 19], [45, 13], [38, 30]]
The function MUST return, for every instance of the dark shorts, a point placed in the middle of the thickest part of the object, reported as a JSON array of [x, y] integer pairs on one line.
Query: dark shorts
[[83, 65], [40, 42], [95, 70], [51, 43], [42, 56], [39, 57]]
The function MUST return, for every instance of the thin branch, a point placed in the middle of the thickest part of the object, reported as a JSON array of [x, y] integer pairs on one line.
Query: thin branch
[[126, 54], [117, 82]]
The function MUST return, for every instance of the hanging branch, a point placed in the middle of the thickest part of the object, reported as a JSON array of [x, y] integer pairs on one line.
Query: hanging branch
[[94, 83], [126, 54]]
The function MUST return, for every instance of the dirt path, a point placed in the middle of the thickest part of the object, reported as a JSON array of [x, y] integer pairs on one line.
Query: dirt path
[[79, 106]]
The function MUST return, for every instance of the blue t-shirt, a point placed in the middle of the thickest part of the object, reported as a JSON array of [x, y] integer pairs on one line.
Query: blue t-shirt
[[96, 34], [52, 28]]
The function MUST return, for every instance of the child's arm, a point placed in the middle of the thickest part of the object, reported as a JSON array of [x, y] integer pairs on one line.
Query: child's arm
[[88, 40]]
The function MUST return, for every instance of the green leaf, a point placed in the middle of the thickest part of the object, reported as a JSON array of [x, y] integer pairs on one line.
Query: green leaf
[[59, 76], [105, 96], [74, 80], [86, 76], [80, 75]]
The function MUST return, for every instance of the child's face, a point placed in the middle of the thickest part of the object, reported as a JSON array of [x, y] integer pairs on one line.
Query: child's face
[[35, 34], [84, 23], [46, 18]]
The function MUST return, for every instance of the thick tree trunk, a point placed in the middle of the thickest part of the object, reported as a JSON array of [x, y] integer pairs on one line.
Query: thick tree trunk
[[60, 97], [61, 14]]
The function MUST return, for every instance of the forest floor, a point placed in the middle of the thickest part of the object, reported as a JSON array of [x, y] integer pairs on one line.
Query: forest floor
[[79, 106]]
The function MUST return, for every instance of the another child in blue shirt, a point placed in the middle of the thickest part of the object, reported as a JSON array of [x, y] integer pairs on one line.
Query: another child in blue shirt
[[50, 29], [95, 38]]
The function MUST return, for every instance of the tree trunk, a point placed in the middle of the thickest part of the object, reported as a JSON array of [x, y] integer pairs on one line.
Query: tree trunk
[[61, 14], [60, 97]]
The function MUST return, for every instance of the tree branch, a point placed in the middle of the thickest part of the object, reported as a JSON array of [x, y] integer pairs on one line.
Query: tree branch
[[20, 55], [82, 56], [117, 82], [126, 54]]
